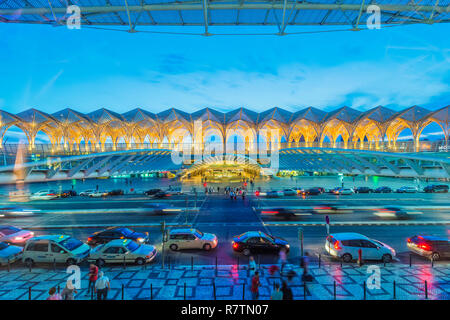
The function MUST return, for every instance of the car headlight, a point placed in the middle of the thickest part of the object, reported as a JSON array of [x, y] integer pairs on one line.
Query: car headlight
[[140, 239]]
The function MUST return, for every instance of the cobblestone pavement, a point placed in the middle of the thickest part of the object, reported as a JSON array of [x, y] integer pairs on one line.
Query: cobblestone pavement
[[231, 283]]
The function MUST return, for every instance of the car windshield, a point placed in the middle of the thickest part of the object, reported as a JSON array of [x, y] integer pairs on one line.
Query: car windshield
[[3, 245], [9, 230], [198, 234], [126, 232], [71, 243], [132, 246]]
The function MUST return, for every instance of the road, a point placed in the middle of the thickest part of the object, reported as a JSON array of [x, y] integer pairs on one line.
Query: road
[[226, 218]]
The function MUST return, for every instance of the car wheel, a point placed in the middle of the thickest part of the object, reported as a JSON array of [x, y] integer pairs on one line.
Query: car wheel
[[347, 257], [246, 252], [29, 262], [100, 262], [435, 256], [71, 261], [140, 261], [206, 247], [386, 258], [173, 247]]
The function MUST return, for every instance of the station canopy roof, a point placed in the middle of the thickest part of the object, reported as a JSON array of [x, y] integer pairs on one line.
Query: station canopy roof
[[284, 14]]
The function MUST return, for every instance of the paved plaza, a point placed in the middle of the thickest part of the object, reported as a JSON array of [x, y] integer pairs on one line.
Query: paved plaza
[[233, 283]]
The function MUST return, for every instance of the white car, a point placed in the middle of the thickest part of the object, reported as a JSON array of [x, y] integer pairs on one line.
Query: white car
[[346, 191], [98, 194], [345, 246], [120, 250], [9, 253], [191, 239], [44, 195], [86, 193], [15, 235]]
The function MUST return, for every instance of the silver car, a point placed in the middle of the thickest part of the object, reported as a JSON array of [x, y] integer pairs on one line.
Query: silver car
[[9, 253], [122, 250], [191, 239], [15, 235]]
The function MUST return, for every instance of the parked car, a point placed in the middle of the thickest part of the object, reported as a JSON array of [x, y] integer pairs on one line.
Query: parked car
[[289, 192], [117, 192], [345, 191], [313, 191], [436, 188], [86, 193], [98, 194], [431, 247], [9, 253], [112, 233], [120, 251], [14, 235], [258, 242], [394, 212], [14, 212], [152, 192], [345, 246], [44, 195], [54, 249], [407, 189], [363, 190], [191, 239], [383, 190]]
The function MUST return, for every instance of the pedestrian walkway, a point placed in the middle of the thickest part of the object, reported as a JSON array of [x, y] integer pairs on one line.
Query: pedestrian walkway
[[231, 282]]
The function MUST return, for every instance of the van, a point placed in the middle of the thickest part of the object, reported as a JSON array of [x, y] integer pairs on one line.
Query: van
[[54, 249]]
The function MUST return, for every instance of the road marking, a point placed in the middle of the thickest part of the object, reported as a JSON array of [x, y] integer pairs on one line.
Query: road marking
[[358, 223]]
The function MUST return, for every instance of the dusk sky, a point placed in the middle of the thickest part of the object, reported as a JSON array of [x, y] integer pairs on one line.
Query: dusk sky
[[52, 68]]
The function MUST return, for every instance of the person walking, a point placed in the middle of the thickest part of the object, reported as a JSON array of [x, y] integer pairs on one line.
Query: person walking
[[304, 264], [68, 291], [251, 266], [255, 286], [93, 276], [53, 295], [282, 259], [102, 286], [286, 291], [277, 294]]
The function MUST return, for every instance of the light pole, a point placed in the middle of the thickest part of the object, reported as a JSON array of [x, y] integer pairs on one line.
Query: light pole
[[300, 237]]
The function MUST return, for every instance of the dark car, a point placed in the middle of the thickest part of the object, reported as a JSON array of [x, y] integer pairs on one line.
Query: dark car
[[436, 188], [161, 195], [117, 192], [279, 213], [363, 190], [432, 247], [152, 192], [104, 236], [313, 191], [383, 190], [258, 242]]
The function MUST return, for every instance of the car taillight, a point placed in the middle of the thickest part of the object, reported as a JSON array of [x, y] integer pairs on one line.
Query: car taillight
[[270, 212], [424, 246], [409, 240], [235, 245], [89, 239], [50, 194], [337, 245], [257, 193]]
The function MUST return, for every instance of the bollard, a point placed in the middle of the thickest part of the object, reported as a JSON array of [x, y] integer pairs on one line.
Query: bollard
[[320, 259], [185, 291], [54, 264], [432, 261], [124, 264], [192, 262], [29, 293], [395, 294], [168, 262], [214, 289], [151, 291], [243, 291], [334, 290], [341, 262], [426, 289], [216, 265], [410, 260], [122, 291], [29, 267], [364, 285]]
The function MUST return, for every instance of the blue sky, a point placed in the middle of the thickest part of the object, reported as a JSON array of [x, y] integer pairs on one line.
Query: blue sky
[[51, 68]]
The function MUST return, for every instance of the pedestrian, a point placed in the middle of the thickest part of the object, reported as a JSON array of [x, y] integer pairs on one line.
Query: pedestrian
[[251, 266], [282, 259], [243, 195], [286, 291], [68, 291], [53, 295], [93, 276], [255, 286], [102, 286], [277, 294], [231, 195]]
